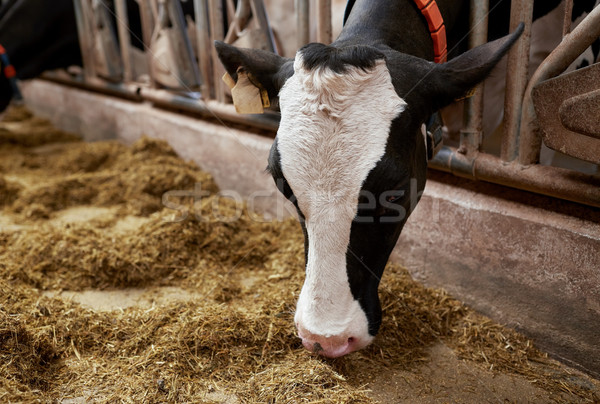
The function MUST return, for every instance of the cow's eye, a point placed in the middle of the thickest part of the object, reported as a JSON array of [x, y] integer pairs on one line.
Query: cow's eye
[[393, 198]]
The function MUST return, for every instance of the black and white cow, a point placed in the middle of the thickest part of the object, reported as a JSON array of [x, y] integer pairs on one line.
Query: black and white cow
[[349, 151], [38, 35], [41, 35]]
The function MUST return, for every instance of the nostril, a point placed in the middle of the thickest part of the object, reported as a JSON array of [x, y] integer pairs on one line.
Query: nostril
[[350, 340]]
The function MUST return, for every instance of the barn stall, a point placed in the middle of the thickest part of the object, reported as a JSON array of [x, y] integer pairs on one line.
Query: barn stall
[[113, 293]]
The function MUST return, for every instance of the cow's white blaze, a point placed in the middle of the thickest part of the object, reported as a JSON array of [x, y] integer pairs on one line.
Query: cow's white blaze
[[334, 129]]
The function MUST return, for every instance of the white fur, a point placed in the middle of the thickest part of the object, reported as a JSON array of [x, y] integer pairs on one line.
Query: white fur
[[334, 129]]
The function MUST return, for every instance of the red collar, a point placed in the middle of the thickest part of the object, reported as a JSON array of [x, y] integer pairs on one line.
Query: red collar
[[431, 12], [9, 70]]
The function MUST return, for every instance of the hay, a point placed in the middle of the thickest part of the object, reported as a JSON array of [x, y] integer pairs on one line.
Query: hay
[[20, 128], [233, 339]]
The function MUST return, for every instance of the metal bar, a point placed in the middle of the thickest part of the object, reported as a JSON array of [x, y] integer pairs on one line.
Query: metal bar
[[85, 42], [546, 180], [204, 48], [324, 21], [128, 91], [259, 13], [565, 53], [238, 20], [568, 16], [147, 20], [516, 78], [267, 122], [124, 42], [470, 134], [302, 23], [215, 12], [187, 58], [211, 109]]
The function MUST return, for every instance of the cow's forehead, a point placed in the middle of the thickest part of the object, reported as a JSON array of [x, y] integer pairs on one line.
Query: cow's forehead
[[334, 129]]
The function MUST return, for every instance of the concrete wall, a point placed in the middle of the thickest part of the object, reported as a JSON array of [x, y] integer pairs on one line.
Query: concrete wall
[[527, 261]]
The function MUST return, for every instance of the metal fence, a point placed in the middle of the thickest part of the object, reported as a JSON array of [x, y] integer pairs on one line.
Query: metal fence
[[186, 75]]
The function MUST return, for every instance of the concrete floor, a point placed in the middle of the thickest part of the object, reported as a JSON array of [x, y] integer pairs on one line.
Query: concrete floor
[[527, 261]]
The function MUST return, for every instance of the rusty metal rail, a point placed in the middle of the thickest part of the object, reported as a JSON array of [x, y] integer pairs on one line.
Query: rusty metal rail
[[517, 166]]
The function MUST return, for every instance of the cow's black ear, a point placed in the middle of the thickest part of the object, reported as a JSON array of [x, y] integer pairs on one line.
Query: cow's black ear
[[456, 78], [269, 69]]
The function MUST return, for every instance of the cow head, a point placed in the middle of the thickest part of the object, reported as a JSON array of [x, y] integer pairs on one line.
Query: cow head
[[350, 155]]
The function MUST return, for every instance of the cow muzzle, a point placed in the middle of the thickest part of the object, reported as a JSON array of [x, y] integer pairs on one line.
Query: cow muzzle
[[330, 346]]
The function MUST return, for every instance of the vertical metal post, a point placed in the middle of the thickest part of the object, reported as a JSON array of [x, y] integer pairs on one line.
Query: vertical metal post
[[302, 23], [259, 14], [470, 135], [147, 26], [215, 12], [516, 78], [124, 42], [85, 42], [189, 72], [204, 48], [324, 21]]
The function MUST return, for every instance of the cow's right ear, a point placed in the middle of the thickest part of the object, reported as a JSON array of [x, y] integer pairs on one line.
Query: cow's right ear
[[456, 78], [269, 69]]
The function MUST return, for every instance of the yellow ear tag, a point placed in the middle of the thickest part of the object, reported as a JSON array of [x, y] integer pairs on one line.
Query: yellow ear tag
[[264, 95], [227, 79], [248, 97]]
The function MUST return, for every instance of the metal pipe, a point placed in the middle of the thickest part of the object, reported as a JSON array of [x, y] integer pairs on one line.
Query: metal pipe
[[85, 42], [546, 180], [260, 15], [565, 53], [324, 21], [128, 91], [268, 122], [186, 59], [302, 23], [124, 42], [217, 32], [239, 19], [516, 78], [147, 26], [211, 109], [568, 16], [204, 48], [470, 134]]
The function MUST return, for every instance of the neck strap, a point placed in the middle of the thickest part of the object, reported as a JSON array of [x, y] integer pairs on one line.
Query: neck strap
[[437, 29]]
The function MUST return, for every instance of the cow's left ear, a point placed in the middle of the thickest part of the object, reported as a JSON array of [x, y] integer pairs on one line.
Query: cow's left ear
[[269, 69], [455, 79]]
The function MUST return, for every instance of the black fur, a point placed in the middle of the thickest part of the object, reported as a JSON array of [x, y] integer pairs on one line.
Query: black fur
[[339, 59]]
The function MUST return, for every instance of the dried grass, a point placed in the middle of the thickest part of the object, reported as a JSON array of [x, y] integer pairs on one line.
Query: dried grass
[[233, 341]]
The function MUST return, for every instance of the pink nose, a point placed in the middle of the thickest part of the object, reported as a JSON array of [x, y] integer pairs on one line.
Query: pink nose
[[330, 347]]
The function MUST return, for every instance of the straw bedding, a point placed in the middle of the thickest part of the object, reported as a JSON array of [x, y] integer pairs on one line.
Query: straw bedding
[[78, 216]]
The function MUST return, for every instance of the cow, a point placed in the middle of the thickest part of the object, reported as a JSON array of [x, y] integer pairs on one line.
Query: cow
[[40, 35], [349, 153], [37, 35]]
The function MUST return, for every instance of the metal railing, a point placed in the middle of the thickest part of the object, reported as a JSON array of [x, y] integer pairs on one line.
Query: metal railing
[[518, 165], [199, 87]]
